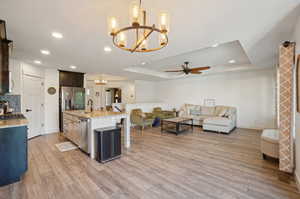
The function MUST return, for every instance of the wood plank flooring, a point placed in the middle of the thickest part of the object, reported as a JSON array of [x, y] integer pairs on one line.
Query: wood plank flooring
[[191, 165]]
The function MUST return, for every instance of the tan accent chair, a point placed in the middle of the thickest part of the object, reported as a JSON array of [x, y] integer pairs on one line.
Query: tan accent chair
[[138, 118], [270, 143], [158, 112]]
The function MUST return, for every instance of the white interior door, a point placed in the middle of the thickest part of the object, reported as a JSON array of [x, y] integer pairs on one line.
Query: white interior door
[[33, 104], [108, 98]]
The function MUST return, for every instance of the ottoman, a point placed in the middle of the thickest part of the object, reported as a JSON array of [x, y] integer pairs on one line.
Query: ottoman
[[270, 143]]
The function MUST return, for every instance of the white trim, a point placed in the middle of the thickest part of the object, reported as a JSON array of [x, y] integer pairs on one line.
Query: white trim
[[297, 179], [253, 128], [50, 131]]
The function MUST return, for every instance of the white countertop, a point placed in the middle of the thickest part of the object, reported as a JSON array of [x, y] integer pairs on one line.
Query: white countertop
[[94, 114], [13, 123]]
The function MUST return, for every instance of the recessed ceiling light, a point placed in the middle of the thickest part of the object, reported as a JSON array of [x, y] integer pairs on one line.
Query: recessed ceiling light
[[37, 62], [73, 67], [57, 35], [232, 61], [215, 45], [143, 63], [45, 52], [107, 49]]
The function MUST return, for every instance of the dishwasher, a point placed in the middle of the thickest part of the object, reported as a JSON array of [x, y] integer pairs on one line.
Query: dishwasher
[[75, 129]]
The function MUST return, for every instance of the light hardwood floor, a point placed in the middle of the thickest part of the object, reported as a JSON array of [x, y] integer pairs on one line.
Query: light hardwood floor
[[191, 165]]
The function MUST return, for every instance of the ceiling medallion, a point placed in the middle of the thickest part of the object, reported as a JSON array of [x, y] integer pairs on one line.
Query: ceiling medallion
[[139, 32]]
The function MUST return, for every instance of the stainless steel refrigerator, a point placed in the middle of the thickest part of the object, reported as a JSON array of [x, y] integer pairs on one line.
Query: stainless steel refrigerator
[[71, 98]]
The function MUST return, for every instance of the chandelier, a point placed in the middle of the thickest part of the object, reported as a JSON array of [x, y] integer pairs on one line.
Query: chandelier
[[136, 37], [100, 82]]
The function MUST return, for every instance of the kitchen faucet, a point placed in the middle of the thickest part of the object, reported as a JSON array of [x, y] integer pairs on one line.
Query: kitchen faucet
[[90, 102]]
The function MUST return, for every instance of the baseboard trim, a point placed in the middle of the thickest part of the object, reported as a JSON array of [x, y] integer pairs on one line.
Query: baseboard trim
[[50, 131], [250, 128], [297, 179]]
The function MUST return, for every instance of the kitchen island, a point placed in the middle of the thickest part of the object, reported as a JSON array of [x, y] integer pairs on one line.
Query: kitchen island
[[13, 148], [94, 120]]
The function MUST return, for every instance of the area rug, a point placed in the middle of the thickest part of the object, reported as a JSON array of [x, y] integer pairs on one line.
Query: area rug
[[65, 146]]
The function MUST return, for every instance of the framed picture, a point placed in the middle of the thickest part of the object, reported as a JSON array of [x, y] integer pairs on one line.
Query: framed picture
[[298, 83]]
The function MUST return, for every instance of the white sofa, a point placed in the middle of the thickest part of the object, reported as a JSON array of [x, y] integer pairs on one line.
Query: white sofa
[[216, 118]]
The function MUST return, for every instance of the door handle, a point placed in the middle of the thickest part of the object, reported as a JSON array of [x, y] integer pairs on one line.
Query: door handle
[[28, 110]]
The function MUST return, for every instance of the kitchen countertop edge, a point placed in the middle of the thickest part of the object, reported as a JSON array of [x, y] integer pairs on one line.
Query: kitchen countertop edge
[[13, 123], [94, 114]]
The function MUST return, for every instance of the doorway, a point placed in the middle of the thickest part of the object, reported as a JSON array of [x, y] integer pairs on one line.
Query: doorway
[[112, 95], [33, 107]]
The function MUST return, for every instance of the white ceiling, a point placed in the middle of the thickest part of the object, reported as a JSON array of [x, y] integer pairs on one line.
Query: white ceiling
[[195, 24], [217, 58]]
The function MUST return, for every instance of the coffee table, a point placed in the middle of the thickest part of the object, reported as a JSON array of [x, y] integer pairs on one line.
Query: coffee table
[[177, 125]]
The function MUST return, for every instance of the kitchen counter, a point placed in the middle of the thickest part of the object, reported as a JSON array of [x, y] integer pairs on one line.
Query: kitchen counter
[[13, 123], [94, 114]]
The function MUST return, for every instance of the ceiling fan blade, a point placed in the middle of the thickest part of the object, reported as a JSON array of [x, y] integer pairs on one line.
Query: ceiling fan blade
[[195, 72], [173, 71], [200, 68]]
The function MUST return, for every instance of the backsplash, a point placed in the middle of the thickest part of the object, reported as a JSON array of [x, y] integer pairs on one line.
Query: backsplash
[[13, 100]]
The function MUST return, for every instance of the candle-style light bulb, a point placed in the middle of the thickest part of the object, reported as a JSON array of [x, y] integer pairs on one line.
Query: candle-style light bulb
[[134, 12], [162, 39], [112, 25], [144, 45], [122, 39], [164, 21]]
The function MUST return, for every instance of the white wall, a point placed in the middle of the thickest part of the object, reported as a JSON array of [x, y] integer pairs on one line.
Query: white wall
[[297, 119], [145, 91], [252, 92], [51, 101]]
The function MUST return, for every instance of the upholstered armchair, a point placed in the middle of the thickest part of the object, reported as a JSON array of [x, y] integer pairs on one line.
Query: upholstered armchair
[[158, 112], [138, 118]]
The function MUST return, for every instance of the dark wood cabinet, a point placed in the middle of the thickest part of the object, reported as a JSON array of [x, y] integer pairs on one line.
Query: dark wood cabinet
[[109, 144], [4, 66], [13, 153], [5, 45], [71, 79]]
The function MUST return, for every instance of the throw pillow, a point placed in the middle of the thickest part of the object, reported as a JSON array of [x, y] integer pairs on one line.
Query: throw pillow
[[227, 114], [223, 112], [207, 110], [195, 112]]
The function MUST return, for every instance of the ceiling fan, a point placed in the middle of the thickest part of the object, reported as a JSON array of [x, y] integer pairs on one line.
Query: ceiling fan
[[186, 70]]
